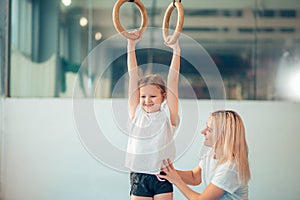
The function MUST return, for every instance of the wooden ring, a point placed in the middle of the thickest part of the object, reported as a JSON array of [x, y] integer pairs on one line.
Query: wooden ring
[[116, 19], [180, 19]]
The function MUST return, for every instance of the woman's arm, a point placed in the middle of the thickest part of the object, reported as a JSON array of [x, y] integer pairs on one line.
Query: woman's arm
[[133, 92], [191, 177], [172, 82], [210, 193]]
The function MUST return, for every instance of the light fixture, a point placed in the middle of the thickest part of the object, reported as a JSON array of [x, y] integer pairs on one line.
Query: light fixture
[[66, 2], [98, 36], [83, 21]]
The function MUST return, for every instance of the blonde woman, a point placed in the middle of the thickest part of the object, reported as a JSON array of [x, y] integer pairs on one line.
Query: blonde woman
[[224, 170]]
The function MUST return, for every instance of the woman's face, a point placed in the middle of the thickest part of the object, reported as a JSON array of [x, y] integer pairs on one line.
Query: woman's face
[[208, 133], [151, 98]]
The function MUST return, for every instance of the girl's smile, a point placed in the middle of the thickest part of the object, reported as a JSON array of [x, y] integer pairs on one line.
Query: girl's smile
[[151, 98]]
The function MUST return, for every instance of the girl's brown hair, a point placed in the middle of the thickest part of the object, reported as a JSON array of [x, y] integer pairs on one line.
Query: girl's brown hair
[[153, 79]]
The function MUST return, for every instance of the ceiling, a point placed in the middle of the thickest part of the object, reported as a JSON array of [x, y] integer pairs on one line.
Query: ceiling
[[234, 23], [201, 4]]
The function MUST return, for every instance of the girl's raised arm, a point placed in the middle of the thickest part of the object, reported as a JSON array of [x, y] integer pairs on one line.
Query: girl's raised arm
[[133, 92], [172, 82]]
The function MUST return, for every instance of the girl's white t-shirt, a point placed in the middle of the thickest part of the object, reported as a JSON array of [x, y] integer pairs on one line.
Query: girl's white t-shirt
[[150, 140], [224, 176]]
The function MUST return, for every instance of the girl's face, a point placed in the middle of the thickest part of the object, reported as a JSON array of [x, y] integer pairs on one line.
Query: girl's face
[[208, 133], [151, 98]]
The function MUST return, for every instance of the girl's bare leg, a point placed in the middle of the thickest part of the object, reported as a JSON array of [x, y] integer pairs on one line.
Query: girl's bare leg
[[165, 196], [140, 198]]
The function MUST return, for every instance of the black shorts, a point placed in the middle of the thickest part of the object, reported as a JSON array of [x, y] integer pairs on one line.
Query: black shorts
[[148, 185]]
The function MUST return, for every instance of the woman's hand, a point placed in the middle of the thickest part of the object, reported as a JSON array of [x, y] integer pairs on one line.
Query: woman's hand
[[171, 173]]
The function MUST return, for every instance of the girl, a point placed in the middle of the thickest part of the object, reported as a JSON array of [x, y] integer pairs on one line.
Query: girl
[[153, 112], [224, 170]]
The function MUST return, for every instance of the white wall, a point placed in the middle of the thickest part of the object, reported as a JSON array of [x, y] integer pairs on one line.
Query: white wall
[[44, 158]]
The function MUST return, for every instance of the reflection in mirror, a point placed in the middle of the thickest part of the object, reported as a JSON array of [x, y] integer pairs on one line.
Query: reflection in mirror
[[255, 45]]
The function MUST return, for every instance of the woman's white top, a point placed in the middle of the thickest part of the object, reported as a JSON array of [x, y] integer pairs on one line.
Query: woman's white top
[[150, 140], [224, 176]]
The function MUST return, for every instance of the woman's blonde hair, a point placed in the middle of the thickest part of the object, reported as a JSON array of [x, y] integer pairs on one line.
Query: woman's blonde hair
[[230, 142], [153, 79]]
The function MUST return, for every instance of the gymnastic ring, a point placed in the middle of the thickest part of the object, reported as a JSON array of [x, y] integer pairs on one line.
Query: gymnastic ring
[[180, 19], [116, 19]]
